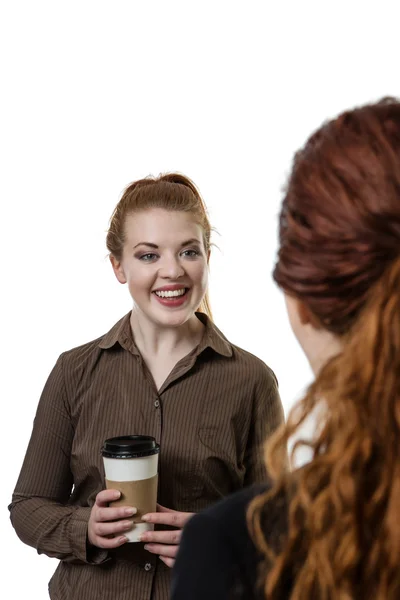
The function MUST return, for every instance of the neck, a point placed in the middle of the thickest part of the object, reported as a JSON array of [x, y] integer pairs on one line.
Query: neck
[[325, 347], [154, 340]]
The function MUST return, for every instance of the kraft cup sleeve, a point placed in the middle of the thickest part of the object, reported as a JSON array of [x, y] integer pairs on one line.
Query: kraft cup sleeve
[[141, 494]]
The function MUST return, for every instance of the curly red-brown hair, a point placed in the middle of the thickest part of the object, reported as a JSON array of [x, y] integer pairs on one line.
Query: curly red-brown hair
[[340, 255]]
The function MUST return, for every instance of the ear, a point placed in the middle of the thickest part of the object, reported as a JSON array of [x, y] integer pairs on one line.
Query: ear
[[303, 312], [118, 269], [306, 316]]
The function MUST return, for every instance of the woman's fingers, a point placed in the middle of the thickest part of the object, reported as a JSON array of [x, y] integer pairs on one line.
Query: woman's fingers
[[112, 514], [105, 496], [162, 537], [109, 543], [166, 516], [162, 550], [107, 524], [107, 529], [168, 561]]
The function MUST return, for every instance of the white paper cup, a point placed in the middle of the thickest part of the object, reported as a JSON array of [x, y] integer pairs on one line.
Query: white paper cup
[[131, 466]]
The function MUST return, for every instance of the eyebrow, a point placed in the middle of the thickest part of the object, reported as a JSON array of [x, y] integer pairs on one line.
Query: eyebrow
[[151, 245]]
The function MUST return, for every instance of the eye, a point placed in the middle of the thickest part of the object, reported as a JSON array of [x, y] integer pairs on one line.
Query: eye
[[191, 253], [148, 257]]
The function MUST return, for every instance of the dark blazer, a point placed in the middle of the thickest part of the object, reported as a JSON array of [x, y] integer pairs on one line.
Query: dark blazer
[[217, 559]]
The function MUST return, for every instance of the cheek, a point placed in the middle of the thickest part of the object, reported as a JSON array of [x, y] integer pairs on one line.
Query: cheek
[[140, 279], [200, 274]]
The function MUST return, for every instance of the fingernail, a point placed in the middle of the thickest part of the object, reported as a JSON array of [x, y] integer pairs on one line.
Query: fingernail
[[145, 518], [146, 547], [123, 539], [130, 511], [143, 537], [117, 495]]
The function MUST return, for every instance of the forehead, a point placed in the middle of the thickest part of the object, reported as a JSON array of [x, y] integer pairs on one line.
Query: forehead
[[161, 227]]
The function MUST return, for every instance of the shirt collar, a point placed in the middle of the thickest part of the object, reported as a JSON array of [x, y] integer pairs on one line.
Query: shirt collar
[[121, 333], [212, 338]]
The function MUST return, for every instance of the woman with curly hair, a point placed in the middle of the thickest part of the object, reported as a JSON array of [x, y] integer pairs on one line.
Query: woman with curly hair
[[330, 529]]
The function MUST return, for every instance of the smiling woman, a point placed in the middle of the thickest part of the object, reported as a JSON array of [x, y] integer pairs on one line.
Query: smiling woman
[[164, 370], [168, 270], [173, 193]]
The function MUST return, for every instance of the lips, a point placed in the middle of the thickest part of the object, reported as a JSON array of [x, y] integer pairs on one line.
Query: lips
[[171, 295]]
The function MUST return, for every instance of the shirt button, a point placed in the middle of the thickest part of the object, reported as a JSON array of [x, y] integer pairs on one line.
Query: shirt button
[[157, 404], [147, 567]]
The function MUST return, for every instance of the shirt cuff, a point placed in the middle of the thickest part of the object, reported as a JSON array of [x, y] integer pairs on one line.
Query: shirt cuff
[[81, 548]]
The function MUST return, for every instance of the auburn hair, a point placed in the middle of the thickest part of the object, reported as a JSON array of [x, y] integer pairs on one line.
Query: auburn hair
[[339, 254]]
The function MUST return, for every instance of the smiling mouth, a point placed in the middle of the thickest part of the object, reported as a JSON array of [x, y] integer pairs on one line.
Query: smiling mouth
[[171, 293]]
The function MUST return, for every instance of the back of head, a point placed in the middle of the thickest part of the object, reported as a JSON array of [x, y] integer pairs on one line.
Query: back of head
[[340, 255], [172, 192]]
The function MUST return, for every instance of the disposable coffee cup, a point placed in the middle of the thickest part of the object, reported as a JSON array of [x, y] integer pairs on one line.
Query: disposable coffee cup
[[130, 465]]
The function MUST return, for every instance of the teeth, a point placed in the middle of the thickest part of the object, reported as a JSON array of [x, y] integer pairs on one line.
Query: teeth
[[170, 294]]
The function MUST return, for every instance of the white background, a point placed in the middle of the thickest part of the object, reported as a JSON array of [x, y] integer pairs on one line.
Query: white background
[[96, 94]]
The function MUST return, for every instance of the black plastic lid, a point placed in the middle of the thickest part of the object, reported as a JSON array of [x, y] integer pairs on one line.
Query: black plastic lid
[[130, 446]]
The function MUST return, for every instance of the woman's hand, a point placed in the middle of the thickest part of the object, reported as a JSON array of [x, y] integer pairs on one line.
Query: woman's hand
[[165, 543], [101, 532]]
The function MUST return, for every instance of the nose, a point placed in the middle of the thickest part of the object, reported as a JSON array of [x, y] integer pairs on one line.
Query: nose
[[171, 268]]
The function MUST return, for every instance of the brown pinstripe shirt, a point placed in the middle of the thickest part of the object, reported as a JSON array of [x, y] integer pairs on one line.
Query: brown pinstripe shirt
[[210, 417]]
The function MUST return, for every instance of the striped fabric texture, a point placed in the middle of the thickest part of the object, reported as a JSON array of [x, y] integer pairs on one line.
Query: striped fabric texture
[[210, 417]]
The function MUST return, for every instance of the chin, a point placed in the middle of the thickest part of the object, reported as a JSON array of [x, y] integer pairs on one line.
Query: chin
[[174, 320]]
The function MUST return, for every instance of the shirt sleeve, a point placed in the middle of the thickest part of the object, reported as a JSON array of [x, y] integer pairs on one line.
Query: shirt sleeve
[[268, 415], [204, 564], [39, 510]]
